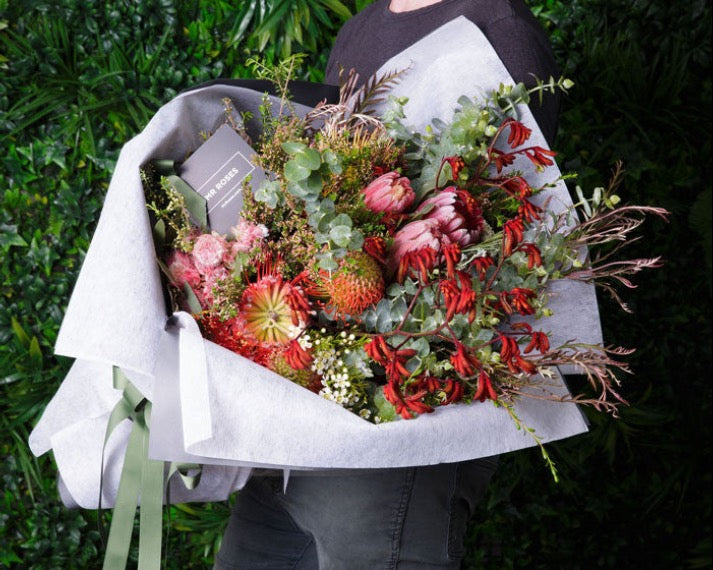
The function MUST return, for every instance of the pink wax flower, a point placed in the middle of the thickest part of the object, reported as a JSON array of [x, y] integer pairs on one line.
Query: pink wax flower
[[208, 251], [182, 269], [390, 193], [458, 214], [205, 294], [247, 235]]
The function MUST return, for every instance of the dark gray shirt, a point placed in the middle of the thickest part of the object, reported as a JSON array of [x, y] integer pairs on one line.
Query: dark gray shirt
[[376, 34]]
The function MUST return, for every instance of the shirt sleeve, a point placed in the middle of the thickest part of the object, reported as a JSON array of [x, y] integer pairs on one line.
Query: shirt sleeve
[[526, 53]]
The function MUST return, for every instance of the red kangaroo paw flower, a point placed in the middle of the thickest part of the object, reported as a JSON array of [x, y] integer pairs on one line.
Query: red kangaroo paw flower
[[519, 133], [485, 388], [481, 265], [375, 247], [528, 211], [539, 341], [297, 357], [534, 259], [540, 157], [457, 164], [517, 187], [452, 255], [513, 231], [462, 362]]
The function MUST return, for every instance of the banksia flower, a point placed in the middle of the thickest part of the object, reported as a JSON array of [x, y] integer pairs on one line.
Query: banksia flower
[[280, 363], [389, 194], [356, 285]]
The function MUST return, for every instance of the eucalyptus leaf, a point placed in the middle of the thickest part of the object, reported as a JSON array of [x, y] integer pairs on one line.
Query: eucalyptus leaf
[[296, 172], [309, 158], [293, 147], [341, 235]]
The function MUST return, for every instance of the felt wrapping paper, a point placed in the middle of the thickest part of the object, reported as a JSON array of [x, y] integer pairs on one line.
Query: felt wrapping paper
[[239, 415]]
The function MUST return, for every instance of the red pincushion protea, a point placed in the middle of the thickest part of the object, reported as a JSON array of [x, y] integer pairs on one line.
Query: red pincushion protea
[[230, 334]]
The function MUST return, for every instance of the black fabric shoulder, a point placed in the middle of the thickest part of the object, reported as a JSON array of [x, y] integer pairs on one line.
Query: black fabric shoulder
[[303, 92]]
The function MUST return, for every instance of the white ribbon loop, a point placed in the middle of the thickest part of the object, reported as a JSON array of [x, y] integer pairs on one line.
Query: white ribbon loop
[[193, 381]]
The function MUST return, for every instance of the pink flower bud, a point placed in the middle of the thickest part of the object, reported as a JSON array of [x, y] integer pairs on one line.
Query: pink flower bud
[[247, 236], [389, 194], [182, 269], [206, 295], [208, 251]]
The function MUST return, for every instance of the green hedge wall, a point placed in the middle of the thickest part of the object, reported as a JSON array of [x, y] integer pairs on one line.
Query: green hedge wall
[[78, 79]]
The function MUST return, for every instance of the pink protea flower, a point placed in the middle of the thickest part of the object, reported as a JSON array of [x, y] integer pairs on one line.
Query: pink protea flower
[[247, 235], [458, 214], [416, 249], [208, 251], [417, 235], [390, 193], [182, 269]]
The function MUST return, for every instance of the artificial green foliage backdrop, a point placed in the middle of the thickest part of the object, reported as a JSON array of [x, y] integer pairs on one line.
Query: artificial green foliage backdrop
[[78, 79]]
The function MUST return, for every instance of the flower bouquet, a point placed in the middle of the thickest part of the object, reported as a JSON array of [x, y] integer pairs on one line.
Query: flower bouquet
[[393, 272]]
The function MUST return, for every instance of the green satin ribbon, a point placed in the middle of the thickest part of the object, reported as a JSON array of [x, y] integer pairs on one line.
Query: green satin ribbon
[[142, 480]]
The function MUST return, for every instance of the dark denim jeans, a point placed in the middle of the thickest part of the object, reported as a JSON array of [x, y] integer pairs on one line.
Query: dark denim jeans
[[407, 518]]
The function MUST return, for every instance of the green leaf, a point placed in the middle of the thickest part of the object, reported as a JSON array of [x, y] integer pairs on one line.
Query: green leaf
[[341, 235], [333, 162], [327, 263], [356, 241], [269, 192], [342, 220], [293, 147], [193, 303], [20, 332], [34, 350], [9, 238], [295, 172], [309, 159], [385, 409]]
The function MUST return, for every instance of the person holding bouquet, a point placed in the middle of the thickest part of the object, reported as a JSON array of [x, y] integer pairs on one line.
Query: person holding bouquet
[[413, 517]]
